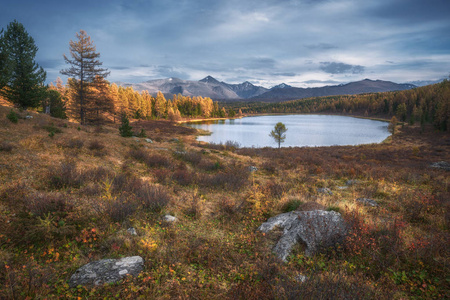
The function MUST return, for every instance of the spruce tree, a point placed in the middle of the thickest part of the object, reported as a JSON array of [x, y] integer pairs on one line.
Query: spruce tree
[[125, 129], [22, 79], [84, 69]]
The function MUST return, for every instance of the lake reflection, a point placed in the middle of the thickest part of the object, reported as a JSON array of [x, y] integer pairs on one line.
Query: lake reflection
[[303, 130]]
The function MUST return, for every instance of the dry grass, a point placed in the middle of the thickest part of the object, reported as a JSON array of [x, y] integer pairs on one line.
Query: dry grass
[[68, 199]]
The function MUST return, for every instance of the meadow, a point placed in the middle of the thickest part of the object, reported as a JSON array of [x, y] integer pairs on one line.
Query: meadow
[[69, 193]]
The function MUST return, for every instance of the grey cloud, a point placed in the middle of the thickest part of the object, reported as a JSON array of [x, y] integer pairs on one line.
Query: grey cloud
[[322, 46], [261, 63], [169, 71], [321, 81], [288, 74], [340, 68]]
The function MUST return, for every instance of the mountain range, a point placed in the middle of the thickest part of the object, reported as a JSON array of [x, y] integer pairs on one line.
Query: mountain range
[[219, 90]]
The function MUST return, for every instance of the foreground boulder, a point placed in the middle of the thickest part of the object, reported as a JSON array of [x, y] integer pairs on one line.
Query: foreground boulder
[[107, 271], [315, 229]]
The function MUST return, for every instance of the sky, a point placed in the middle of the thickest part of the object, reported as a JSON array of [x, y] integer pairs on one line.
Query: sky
[[303, 43]]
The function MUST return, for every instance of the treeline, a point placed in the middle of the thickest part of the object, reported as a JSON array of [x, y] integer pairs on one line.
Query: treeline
[[427, 104], [104, 100]]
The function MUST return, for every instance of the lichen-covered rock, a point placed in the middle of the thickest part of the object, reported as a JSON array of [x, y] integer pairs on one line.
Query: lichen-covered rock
[[326, 191], [367, 202], [441, 165], [315, 229], [169, 219], [107, 271]]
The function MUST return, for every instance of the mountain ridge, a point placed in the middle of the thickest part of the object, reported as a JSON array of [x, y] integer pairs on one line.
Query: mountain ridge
[[220, 90]]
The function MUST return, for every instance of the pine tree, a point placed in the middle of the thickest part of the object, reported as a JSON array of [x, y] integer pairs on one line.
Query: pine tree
[[85, 67], [22, 76]]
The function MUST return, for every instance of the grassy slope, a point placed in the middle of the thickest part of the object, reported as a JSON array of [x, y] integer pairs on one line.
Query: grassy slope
[[68, 199]]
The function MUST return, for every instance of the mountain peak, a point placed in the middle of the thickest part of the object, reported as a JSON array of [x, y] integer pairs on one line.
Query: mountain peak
[[209, 79], [281, 86]]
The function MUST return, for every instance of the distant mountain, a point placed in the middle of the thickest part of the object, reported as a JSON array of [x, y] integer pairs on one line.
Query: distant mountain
[[219, 90], [352, 88]]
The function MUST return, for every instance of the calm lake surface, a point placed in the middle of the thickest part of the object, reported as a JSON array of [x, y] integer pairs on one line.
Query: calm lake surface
[[303, 130]]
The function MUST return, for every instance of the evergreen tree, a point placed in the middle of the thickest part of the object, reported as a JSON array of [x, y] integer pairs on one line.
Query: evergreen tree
[[57, 106], [85, 67], [125, 129], [21, 77]]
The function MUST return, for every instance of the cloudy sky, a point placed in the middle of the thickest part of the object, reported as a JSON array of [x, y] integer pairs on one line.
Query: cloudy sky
[[303, 43]]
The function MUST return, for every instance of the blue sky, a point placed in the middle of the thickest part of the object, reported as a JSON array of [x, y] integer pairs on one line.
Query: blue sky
[[303, 43]]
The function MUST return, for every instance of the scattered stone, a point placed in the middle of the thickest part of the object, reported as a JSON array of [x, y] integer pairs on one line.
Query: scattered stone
[[29, 117], [352, 182], [253, 169], [441, 165], [149, 141], [367, 202], [107, 271], [315, 229], [342, 187], [174, 140], [169, 218], [325, 191], [136, 139], [132, 231], [300, 278]]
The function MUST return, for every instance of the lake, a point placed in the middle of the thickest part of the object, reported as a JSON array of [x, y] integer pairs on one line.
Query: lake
[[303, 130]]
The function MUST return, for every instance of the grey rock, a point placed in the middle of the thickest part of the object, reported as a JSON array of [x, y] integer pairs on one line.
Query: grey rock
[[441, 165], [149, 141], [367, 202], [325, 191], [174, 140], [300, 278], [315, 229], [132, 231], [352, 182], [252, 169], [136, 139], [169, 218], [29, 117], [107, 271], [342, 187]]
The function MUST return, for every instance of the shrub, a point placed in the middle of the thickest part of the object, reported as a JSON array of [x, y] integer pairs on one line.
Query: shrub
[[74, 144], [13, 116], [52, 129], [234, 178], [41, 204], [291, 205], [183, 177], [6, 147], [126, 182], [65, 175], [96, 145], [120, 208], [157, 160], [152, 197]]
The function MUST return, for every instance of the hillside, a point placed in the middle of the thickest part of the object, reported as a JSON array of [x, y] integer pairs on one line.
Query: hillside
[[69, 193]]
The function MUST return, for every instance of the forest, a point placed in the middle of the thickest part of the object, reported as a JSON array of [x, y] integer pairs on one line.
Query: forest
[[427, 104]]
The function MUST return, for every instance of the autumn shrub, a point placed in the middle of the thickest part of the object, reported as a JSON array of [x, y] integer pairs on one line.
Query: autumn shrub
[[227, 206], [66, 174], [120, 208], [126, 182], [152, 197], [138, 154], [209, 165], [157, 161], [74, 143], [233, 178], [192, 157], [269, 166], [6, 147], [96, 145], [274, 189], [42, 204], [183, 177]]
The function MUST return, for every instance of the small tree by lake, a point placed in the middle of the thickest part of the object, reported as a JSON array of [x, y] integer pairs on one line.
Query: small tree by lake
[[392, 125], [278, 133]]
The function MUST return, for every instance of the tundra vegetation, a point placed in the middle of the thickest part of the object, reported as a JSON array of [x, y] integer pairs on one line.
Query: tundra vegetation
[[69, 197]]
